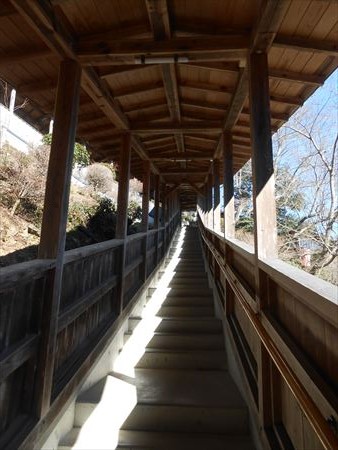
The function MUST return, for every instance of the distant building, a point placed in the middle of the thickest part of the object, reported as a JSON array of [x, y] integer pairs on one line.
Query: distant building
[[16, 132]]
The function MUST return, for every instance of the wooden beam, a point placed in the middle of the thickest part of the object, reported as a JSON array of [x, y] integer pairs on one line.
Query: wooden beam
[[306, 45], [93, 51], [181, 170], [54, 220], [159, 18], [174, 157]]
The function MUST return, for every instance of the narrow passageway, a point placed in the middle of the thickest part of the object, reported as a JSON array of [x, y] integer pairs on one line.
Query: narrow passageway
[[172, 372]]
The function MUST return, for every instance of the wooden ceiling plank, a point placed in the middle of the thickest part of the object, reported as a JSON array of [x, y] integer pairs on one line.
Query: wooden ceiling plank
[[148, 104], [306, 45], [10, 59]]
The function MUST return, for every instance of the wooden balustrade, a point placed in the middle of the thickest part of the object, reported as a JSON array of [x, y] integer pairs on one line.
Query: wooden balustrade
[[87, 309], [299, 329]]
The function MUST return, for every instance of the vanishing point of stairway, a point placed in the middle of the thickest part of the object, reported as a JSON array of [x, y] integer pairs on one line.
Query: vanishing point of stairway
[[186, 399]]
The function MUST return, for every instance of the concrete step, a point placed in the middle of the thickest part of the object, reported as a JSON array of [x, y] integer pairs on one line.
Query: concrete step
[[187, 341], [181, 441], [90, 401], [133, 322], [186, 311], [189, 274], [187, 401], [184, 359], [68, 441], [190, 325], [188, 301], [198, 291], [189, 283]]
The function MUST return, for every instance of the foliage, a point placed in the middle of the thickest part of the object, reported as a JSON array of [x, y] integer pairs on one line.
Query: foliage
[[22, 180], [79, 214], [134, 211], [103, 222], [305, 187], [100, 177], [81, 156]]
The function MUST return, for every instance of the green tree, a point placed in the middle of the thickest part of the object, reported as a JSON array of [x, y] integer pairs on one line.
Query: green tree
[[81, 155]]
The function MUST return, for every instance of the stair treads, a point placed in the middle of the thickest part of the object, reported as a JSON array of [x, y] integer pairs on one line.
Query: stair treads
[[199, 325], [190, 274], [198, 291], [189, 387], [187, 341], [198, 419], [186, 311], [181, 441], [188, 301], [183, 359]]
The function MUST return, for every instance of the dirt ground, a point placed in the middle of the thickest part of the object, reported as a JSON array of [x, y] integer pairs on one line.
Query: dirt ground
[[14, 236]]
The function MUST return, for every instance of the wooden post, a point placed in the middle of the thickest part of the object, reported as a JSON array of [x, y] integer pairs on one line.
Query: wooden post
[[54, 221], [157, 201], [217, 198], [262, 158], [228, 187], [122, 210], [145, 216], [209, 201], [157, 215], [265, 231], [123, 188]]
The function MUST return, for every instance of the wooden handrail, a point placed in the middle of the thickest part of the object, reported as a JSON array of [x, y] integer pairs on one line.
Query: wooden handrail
[[307, 405]]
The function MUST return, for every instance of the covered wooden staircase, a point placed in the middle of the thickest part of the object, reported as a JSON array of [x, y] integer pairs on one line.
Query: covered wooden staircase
[[186, 399], [180, 94]]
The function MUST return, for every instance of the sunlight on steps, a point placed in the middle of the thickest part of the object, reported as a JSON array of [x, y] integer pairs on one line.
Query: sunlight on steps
[[134, 348], [101, 411]]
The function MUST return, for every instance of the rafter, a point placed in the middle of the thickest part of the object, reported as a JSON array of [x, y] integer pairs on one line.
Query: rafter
[[60, 42], [160, 24]]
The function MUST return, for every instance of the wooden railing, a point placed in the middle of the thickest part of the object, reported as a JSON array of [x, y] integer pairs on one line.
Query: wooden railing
[[298, 328], [89, 306]]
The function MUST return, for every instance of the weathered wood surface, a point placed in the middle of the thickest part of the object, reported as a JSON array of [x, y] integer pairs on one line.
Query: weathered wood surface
[[87, 311], [300, 322]]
